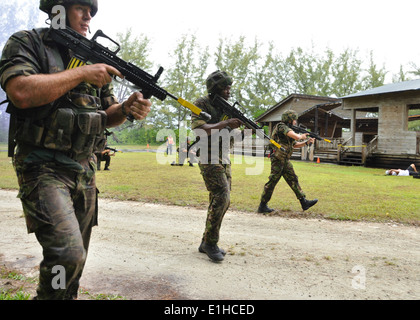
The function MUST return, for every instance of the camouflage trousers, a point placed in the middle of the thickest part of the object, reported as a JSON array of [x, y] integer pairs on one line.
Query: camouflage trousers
[[281, 168], [218, 180], [60, 207]]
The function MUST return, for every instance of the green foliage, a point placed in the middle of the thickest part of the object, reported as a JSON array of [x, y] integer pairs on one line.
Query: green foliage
[[134, 49], [345, 193], [135, 135], [186, 76], [14, 16], [19, 295], [414, 125], [262, 75]]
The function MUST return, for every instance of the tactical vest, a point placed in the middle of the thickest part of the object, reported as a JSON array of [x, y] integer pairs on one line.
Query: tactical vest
[[73, 124], [214, 143], [286, 142]]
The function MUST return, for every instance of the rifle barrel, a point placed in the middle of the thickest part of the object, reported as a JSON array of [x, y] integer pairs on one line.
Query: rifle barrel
[[235, 113], [311, 134]]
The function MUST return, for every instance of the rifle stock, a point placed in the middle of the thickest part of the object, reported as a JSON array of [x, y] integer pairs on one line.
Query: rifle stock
[[90, 50], [235, 113]]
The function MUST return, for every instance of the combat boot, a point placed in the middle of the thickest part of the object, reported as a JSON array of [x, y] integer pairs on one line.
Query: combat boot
[[263, 208], [212, 251], [306, 204], [200, 249]]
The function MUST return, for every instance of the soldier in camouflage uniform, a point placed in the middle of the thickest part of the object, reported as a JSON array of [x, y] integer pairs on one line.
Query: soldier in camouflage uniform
[[58, 117], [281, 165], [216, 168]]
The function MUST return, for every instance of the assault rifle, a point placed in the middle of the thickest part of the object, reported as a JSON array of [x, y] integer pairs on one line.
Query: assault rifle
[[302, 129], [233, 112], [90, 50], [112, 149]]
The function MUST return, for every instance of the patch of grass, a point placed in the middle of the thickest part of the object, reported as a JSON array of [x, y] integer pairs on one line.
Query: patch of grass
[[344, 193], [19, 285], [14, 289], [19, 295]]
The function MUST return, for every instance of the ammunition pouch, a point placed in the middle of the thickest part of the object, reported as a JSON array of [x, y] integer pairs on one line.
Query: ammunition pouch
[[74, 126]]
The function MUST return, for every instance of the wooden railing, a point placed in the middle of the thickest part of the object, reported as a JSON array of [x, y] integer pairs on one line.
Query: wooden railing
[[341, 149], [323, 145], [370, 148]]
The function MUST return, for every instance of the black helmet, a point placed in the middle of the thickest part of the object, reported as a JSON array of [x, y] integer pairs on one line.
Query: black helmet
[[217, 81]]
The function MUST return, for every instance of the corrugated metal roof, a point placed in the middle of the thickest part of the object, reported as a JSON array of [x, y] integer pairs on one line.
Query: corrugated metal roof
[[411, 85], [325, 106], [290, 97]]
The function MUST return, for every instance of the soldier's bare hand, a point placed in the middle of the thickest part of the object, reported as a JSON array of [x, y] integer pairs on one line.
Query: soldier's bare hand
[[99, 74], [234, 123], [138, 106], [304, 136]]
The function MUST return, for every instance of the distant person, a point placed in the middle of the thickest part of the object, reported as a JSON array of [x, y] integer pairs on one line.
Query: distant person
[[186, 151], [410, 171], [216, 171], [169, 144], [280, 162], [105, 155]]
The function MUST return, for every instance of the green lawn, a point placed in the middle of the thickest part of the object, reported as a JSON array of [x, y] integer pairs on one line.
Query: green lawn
[[344, 193]]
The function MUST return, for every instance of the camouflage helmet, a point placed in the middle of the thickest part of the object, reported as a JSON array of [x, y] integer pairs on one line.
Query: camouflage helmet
[[47, 5], [288, 116], [217, 81]]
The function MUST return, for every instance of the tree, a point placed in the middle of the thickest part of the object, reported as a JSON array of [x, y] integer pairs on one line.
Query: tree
[[346, 71], [416, 69], [400, 76], [135, 50], [14, 16], [375, 77], [263, 88], [241, 62], [186, 76]]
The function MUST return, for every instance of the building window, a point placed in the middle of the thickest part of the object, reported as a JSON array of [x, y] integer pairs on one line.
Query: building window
[[414, 117]]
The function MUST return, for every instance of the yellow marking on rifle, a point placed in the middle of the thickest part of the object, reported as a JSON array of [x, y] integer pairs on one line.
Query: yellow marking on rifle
[[74, 63], [190, 106], [275, 143], [329, 141]]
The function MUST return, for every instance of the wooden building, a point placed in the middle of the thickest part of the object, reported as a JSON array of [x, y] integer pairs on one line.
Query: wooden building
[[301, 104], [319, 114], [366, 128], [392, 145]]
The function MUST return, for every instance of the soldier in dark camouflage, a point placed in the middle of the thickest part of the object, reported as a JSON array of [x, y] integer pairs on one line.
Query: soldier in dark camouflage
[[58, 116], [216, 169], [281, 165]]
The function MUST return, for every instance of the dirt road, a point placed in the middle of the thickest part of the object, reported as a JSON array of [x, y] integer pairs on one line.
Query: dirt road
[[149, 251]]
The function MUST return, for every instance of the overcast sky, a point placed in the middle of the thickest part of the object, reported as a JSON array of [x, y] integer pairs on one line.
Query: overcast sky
[[389, 28]]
